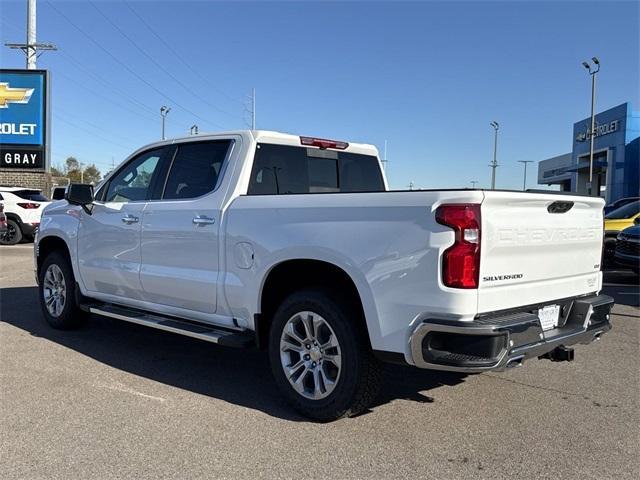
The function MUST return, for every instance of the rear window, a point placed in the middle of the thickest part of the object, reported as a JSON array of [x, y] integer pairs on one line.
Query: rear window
[[283, 169], [33, 195], [627, 211]]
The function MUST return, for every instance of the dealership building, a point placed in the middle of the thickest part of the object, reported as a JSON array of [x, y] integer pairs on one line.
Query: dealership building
[[616, 157]]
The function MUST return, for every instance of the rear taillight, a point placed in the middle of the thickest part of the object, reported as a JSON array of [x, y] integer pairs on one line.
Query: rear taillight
[[461, 261], [29, 205]]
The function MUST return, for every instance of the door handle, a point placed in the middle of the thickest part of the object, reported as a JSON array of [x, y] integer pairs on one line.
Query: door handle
[[203, 220], [129, 219]]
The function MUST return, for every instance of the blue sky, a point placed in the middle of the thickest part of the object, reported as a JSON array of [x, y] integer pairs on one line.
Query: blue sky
[[426, 76]]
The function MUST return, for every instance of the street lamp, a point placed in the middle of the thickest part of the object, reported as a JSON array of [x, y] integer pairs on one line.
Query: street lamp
[[193, 130], [164, 111], [524, 183], [592, 133], [494, 164], [473, 183]]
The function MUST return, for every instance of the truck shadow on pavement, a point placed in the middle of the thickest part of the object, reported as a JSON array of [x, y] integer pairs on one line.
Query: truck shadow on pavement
[[241, 377]]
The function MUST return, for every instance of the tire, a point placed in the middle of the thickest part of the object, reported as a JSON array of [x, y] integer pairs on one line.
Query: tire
[[348, 389], [56, 280], [13, 235]]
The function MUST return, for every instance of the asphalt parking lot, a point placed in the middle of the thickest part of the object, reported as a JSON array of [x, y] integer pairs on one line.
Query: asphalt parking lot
[[115, 400]]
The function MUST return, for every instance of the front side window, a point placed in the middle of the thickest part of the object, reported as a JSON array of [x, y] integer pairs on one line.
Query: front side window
[[133, 182], [195, 169], [282, 169]]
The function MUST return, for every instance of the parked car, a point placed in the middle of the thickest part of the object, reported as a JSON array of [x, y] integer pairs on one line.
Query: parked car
[[57, 193], [614, 223], [627, 253], [23, 208], [619, 203], [294, 244], [3, 220]]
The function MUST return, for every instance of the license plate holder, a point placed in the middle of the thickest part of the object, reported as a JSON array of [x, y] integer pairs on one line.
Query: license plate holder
[[549, 317]]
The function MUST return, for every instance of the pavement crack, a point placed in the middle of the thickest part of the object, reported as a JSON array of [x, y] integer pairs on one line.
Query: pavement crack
[[537, 387], [122, 388]]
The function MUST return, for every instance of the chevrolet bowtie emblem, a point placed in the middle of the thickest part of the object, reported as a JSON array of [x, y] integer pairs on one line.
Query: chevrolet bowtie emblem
[[13, 95]]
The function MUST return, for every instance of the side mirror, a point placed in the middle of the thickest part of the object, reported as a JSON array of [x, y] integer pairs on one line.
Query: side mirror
[[80, 194]]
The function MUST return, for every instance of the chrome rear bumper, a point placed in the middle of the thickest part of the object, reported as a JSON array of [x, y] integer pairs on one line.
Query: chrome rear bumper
[[505, 339]]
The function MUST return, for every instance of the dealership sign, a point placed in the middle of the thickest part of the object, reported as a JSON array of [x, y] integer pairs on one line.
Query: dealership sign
[[601, 129], [23, 119]]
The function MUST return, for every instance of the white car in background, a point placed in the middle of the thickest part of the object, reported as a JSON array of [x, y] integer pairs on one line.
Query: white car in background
[[23, 208]]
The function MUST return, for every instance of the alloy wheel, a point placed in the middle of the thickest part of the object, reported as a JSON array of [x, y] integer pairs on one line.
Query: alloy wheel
[[310, 355], [54, 290]]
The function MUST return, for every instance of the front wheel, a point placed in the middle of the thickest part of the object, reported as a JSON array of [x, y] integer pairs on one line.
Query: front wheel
[[320, 357], [57, 293]]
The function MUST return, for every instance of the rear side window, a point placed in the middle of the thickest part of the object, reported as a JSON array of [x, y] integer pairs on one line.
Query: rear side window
[[282, 169], [33, 195], [195, 169]]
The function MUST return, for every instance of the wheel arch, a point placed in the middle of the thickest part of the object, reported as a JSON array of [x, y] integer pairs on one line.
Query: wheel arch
[[292, 275], [50, 244]]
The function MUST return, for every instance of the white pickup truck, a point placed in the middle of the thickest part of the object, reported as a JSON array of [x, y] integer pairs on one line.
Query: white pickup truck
[[293, 244]]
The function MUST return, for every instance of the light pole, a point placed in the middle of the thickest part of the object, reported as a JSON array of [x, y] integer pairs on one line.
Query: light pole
[[592, 133], [164, 111], [524, 183], [193, 130], [494, 164], [473, 183]]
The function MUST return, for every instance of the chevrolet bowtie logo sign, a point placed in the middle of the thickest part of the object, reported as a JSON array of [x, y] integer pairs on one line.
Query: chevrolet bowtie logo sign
[[13, 95]]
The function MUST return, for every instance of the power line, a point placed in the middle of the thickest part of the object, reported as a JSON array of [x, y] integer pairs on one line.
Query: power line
[[108, 99], [93, 125], [127, 68], [75, 125], [168, 46], [152, 60], [76, 63]]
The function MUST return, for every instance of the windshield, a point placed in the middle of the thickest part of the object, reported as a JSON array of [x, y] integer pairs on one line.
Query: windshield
[[33, 195], [627, 211]]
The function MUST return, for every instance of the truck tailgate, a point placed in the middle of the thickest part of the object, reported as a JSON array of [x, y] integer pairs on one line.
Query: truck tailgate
[[536, 248]]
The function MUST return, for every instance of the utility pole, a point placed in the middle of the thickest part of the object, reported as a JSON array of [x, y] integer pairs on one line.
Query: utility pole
[[384, 158], [164, 111], [592, 132], [524, 183], [32, 47], [253, 109], [494, 164]]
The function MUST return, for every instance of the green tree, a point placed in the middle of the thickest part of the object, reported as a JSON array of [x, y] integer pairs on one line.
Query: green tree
[[92, 174], [57, 171], [75, 172]]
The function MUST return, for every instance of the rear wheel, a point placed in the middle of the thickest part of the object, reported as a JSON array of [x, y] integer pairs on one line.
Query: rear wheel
[[320, 357], [57, 293], [13, 235]]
